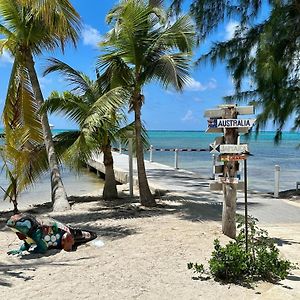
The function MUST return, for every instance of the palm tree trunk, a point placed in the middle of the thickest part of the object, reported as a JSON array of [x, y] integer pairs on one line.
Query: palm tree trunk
[[110, 186], [58, 192], [146, 197]]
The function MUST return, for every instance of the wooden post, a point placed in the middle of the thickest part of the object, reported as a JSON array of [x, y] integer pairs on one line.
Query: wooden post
[[230, 170], [213, 166], [246, 202]]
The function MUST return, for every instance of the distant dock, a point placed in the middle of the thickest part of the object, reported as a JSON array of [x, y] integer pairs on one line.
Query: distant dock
[[161, 178]]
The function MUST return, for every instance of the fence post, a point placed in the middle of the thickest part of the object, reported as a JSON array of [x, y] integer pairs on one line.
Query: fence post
[[151, 153], [277, 178], [176, 159], [213, 166]]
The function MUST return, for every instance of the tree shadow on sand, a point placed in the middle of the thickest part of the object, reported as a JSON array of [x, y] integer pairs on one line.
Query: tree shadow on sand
[[20, 271]]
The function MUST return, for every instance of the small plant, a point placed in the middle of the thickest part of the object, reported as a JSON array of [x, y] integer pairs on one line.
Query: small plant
[[12, 191], [233, 263]]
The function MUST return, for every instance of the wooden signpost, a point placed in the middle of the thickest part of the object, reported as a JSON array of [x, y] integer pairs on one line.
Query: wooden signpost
[[235, 157], [228, 148], [225, 120]]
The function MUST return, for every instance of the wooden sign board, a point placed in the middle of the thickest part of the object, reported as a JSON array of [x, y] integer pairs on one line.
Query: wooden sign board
[[228, 148], [235, 157], [227, 180], [230, 123], [219, 112], [216, 186]]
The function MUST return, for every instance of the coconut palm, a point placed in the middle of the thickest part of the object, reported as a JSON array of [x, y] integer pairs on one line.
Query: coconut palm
[[31, 27], [142, 47], [96, 111]]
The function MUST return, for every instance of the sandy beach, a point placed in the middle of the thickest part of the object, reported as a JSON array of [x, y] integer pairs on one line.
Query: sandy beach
[[141, 254]]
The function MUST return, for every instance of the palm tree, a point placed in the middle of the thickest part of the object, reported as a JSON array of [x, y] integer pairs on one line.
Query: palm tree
[[30, 27], [142, 47], [96, 110]]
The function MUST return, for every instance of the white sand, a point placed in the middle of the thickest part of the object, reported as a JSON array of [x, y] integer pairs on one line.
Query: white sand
[[144, 256]]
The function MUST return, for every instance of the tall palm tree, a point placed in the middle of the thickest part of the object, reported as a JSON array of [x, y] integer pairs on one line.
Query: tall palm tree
[[31, 27], [96, 111], [142, 47]]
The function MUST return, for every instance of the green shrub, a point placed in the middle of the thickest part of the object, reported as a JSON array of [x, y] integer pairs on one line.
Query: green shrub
[[230, 262], [233, 263]]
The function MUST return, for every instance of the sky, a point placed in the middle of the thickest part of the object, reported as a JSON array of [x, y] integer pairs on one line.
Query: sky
[[163, 109]]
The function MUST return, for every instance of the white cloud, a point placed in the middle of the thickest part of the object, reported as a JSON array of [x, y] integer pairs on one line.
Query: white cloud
[[195, 85], [6, 58], [189, 116], [230, 29], [91, 36]]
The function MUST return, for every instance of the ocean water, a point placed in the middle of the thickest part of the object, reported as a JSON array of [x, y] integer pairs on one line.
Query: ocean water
[[76, 184], [260, 166]]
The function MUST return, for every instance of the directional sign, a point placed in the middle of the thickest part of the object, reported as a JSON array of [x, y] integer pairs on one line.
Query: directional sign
[[219, 112], [227, 180], [233, 148], [236, 157], [227, 148], [230, 123]]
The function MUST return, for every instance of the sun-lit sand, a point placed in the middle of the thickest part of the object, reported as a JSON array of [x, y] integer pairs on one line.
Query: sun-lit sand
[[139, 254]]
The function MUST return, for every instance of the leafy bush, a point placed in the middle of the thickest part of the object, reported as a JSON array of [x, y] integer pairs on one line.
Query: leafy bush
[[233, 263], [229, 262]]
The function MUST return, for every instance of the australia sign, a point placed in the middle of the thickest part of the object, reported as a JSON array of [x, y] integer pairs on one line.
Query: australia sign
[[230, 123]]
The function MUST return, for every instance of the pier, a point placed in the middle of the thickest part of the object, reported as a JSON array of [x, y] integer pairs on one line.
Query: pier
[[161, 178]]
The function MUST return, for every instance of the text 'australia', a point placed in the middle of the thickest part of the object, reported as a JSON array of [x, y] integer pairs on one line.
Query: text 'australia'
[[225, 123]]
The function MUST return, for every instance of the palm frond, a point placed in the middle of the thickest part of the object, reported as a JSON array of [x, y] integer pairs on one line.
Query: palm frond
[[81, 83], [170, 69]]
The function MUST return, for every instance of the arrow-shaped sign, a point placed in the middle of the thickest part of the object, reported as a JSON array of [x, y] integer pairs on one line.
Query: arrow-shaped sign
[[227, 148], [227, 180], [219, 112], [230, 123], [235, 157]]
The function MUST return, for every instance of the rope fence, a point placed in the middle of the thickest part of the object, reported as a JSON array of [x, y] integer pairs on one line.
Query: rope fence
[[175, 150]]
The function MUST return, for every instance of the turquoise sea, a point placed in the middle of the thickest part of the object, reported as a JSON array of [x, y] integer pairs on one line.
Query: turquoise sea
[[260, 166]]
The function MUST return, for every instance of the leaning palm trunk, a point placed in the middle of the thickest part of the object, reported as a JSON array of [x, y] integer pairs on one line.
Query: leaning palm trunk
[[110, 185], [58, 192], [146, 197]]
